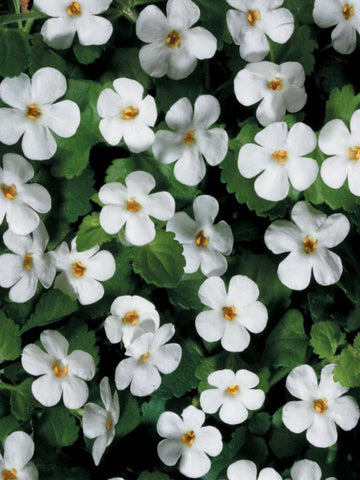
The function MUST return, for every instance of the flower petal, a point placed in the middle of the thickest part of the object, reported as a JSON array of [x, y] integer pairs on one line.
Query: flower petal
[[54, 343], [211, 400], [93, 420], [302, 172], [124, 373], [18, 449], [169, 425], [252, 160], [101, 266], [58, 32], [200, 43], [47, 85], [167, 358], [63, 118], [112, 218], [151, 24], [47, 390], [279, 25], [212, 293], [242, 469], [282, 236], [322, 432], [345, 412], [160, 205], [154, 59], [24, 289], [98, 448], [235, 338], [213, 144], [145, 381], [209, 440], [254, 317], [302, 382], [301, 140], [169, 451], [273, 183], [89, 291], [334, 230], [298, 416], [16, 91], [12, 125], [327, 267], [75, 392], [140, 230], [168, 146], [94, 30], [35, 361], [11, 269], [190, 169], [205, 209], [182, 14], [334, 138], [194, 463], [307, 217], [139, 138], [181, 64], [81, 364], [38, 142], [242, 291], [209, 325]]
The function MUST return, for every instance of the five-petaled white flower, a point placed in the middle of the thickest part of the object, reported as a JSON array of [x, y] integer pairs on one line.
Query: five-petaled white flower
[[344, 146], [191, 142], [253, 21], [75, 17], [187, 439], [28, 264], [61, 374], [308, 240], [345, 14], [279, 155], [18, 451], [279, 87], [99, 423], [130, 317], [34, 113], [126, 114], [233, 314], [20, 201], [82, 272], [174, 48], [132, 205], [149, 354], [321, 406], [204, 244], [246, 470], [234, 395], [306, 470]]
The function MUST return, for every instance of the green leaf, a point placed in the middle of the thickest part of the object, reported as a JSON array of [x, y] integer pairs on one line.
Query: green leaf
[[151, 410], [209, 365], [8, 425], [342, 104], [76, 195], [325, 339], [260, 423], [125, 63], [16, 17], [153, 476], [90, 233], [285, 444], [22, 400], [57, 427], [347, 372], [80, 338], [185, 295], [42, 56], [86, 55], [130, 416], [10, 343], [13, 52], [160, 262], [286, 345], [255, 449], [51, 307], [302, 11]]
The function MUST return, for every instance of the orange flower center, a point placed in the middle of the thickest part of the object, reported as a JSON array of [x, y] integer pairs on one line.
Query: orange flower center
[[74, 9], [33, 112], [280, 156], [9, 191], [320, 405], [132, 205], [188, 438], [189, 137], [59, 370], [201, 240], [79, 269], [309, 244], [9, 474], [109, 424], [253, 16], [28, 261], [275, 84], [144, 358], [131, 318], [232, 389], [354, 153], [229, 313], [348, 11], [173, 39], [130, 113]]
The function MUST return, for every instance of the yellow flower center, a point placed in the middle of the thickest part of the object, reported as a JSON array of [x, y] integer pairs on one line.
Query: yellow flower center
[[189, 137], [79, 269], [74, 9], [229, 313], [348, 11], [320, 405], [253, 16], [280, 156], [109, 424], [28, 261], [309, 244], [9, 191], [201, 240], [132, 205], [354, 153], [173, 39], [275, 84], [131, 318], [188, 438], [9, 474], [130, 113], [144, 358], [59, 370], [232, 389], [33, 112]]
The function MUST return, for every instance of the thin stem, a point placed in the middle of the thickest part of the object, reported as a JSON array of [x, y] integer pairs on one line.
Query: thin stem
[[7, 386], [17, 10], [28, 26]]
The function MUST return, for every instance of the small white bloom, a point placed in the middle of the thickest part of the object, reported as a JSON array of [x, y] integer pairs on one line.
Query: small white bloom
[[232, 314], [280, 88], [204, 244], [279, 155], [19, 200], [18, 451], [99, 423], [308, 240], [345, 15], [255, 20], [133, 205], [74, 17], [192, 141], [335, 139], [28, 264], [61, 374], [34, 113], [126, 114], [246, 470], [174, 48], [306, 470], [130, 317], [149, 354], [321, 406], [187, 439], [234, 395], [82, 272]]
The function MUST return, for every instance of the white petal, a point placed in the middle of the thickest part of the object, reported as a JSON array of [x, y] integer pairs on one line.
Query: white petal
[[18, 449], [22, 219], [345, 412], [129, 90], [334, 171], [322, 433], [306, 217], [354, 178], [242, 290], [139, 138], [182, 13], [151, 24], [181, 64], [205, 209], [98, 6], [38, 142], [221, 379], [334, 230], [16, 91], [183, 226], [252, 160], [194, 463], [167, 358], [200, 43], [271, 109], [193, 418], [37, 197], [139, 182], [253, 399], [221, 238], [168, 146], [242, 469], [233, 411], [109, 103], [47, 390], [94, 30], [47, 85], [301, 140], [101, 266], [327, 267], [327, 13], [206, 111], [190, 169], [269, 474], [344, 38], [139, 230], [81, 364], [295, 98], [302, 172], [113, 193], [305, 469], [273, 137], [35, 361], [180, 115], [58, 32], [54, 343], [213, 145], [169, 451], [295, 271], [211, 400], [75, 392], [254, 317], [111, 129], [210, 326], [19, 244], [12, 125], [160, 205], [63, 118], [213, 263], [145, 381], [209, 440], [279, 25], [249, 87], [254, 46], [124, 373], [235, 338], [11, 269], [89, 291], [98, 448], [302, 382], [24, 289], [273, 183], [327, 386], [192, 258], [112, 218], [148, 111], [169, 425], [298, 416], [93, 420], [212, 292], [154, 59], [17, 165], [334, 138]]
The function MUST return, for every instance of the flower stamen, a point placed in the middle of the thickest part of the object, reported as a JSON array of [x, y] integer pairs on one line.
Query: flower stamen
[[144, 357], [28, 261], [348, 11], [59, 370], [229, 313], [9, 191], [252, 17], [188, 438], [189, 137], [201, 240], [9, 474], [74, 9], [33, 112], [233, 389], [109, 424], [78, 269], [131, 318], [173, 40], [132, 205], [354, 153], [309, 245], [275, 84], [281, 156], [320, 405], [130, 113]]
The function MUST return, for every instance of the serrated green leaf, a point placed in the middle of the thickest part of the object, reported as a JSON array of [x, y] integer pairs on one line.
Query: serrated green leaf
[[325, 338], [22, 400], [347, 371], [13, 52], [90, 233], [185, 295], [80, 338], [10, 343], [342, 104], [260, 423], [86, 55], [151, 410], [42, 56], [130, 416], [57, 427]]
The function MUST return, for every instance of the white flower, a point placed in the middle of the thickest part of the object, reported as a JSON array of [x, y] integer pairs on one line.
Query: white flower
[[306, 470], [279, 87], [246, 470], [61, 373], [18, 451], [74, 17], [191, 142], [34, 114], [233, 314], [132, 205], [28, 264], [100, 422], [130, 317], [335, 139], [187, 439], [279, 155], [204, 244], [174, 47], [148, 356], [82, 272], [234, 395], [126, 114], [308, 240], [253, 21], [321, 406], [345, 14], [20, 201]]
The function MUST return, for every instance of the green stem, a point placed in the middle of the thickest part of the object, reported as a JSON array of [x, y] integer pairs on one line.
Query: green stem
[[7, 386], [77, 413], [28, 26], [130, 14], [279, 376], [17, 10]]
